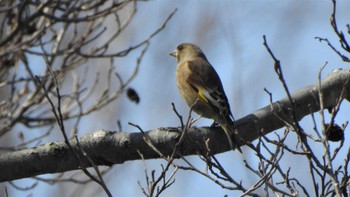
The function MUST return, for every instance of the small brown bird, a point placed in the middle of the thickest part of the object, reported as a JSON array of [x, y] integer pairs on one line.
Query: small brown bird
[[201, 87]]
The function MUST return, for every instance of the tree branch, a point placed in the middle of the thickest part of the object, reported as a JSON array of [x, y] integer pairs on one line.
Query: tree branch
[[108, 148]]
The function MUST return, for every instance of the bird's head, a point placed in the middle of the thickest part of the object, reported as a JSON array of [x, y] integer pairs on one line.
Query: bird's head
[[186, 52]]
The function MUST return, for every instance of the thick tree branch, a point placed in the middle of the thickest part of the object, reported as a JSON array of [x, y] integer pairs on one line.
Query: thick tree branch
[[107, 147]]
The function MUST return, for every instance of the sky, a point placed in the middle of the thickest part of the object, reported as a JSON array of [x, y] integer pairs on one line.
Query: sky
[[231, 35]]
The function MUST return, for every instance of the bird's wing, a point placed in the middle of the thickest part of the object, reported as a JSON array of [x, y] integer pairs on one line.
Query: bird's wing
[[208, 86]]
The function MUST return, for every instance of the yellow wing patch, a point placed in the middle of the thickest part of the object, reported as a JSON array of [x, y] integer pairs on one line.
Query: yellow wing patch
[[200, 94]]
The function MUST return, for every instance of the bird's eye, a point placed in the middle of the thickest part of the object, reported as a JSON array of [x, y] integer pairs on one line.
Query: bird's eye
[[180, 47]]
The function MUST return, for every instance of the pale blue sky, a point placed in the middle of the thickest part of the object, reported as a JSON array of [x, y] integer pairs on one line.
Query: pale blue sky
[[230, 34]]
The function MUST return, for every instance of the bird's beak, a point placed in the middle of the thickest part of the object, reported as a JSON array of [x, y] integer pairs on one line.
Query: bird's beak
[[174, 53]]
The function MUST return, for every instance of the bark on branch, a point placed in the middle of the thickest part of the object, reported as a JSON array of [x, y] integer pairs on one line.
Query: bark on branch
[[108, 148]]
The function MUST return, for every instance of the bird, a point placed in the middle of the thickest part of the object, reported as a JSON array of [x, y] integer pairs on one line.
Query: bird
[[201, 87]]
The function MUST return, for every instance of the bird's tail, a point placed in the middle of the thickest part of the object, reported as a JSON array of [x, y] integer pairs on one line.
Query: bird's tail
[[229, 129]]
